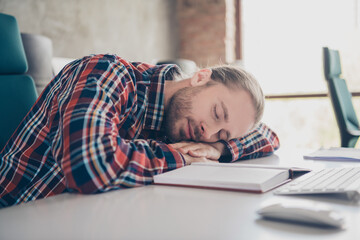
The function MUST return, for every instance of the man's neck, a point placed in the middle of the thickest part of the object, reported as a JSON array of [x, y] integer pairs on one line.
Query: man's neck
[[171, 87]]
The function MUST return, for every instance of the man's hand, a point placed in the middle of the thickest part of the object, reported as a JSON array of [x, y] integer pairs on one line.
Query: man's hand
[[209, 151], [189, 159]]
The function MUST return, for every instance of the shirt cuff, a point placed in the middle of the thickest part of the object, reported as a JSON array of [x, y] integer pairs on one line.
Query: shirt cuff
[[173, 158], [235, 148]]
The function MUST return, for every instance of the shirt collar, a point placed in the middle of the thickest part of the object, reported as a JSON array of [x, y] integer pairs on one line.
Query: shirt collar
[[156, 107]]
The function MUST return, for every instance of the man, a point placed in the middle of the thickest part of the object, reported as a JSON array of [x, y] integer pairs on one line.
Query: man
[[104, 123]]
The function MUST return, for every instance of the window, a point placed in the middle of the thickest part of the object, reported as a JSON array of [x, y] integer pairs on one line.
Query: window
[[282, 46], [283, 40]]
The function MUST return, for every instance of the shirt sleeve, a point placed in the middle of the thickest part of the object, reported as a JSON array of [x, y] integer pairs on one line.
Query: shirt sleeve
[[260, 142], [93, 156]]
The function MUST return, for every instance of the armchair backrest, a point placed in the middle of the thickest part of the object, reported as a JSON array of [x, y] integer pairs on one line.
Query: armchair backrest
[[17, 90], [341, 99], [38, 51]]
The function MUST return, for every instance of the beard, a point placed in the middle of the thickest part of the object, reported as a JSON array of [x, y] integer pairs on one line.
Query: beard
[[180, 108]]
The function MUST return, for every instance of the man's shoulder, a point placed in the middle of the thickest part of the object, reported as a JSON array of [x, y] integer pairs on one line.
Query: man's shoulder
[[121, 64], [143, 68], [105, 58], [139, 73]]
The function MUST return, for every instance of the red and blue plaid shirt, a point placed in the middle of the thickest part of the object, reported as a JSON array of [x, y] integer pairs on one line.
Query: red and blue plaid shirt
[[86, 133]]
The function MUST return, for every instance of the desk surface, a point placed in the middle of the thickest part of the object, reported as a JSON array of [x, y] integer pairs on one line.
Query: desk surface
[[163, 212]]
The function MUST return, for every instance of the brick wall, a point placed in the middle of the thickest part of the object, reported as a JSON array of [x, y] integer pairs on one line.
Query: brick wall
[[205, 35]]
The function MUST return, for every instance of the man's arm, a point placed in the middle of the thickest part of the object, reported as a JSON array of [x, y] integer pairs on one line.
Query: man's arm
[[88, 147], [97, 159], [260, 142]]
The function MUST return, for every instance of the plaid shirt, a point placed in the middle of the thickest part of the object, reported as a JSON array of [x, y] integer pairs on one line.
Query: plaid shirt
[[86, 133]]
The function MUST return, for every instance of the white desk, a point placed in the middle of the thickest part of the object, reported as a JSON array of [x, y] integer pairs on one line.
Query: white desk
[[161, 212]]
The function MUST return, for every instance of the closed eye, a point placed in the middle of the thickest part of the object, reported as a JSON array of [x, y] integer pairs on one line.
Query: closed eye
[[216, 114]]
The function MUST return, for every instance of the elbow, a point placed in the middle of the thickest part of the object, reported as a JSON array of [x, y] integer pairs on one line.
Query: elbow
[[80, 181], [275, 143]]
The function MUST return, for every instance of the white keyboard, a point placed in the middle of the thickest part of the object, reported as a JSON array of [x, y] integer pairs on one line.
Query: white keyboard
[[344, 181]]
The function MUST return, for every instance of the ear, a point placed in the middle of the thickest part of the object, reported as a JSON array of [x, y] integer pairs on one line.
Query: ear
[[201, 77]]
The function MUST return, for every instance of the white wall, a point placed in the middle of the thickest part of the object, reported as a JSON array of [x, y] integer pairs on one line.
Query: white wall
[[139, 30]]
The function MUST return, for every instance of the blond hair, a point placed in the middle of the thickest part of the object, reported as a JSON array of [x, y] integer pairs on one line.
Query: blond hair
[[236, 77]]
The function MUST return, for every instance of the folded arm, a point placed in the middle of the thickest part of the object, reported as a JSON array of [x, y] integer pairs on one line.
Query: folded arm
[[260, 142], [96, 159], [90, 151]]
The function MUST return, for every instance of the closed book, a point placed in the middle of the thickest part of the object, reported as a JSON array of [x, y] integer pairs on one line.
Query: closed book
[[230, 176]]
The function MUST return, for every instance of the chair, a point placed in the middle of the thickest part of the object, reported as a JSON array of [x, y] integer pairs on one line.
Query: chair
[[17, 90], [341, 99], [38, 51]]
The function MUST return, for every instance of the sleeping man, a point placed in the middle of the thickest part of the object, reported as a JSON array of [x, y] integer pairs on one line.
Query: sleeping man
[[104, 123]]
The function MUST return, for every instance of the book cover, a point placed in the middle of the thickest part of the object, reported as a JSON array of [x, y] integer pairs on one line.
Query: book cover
[[241, 177]]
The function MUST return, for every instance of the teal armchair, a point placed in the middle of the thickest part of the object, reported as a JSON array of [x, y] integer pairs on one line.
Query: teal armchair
[[341, 99], [17, 90]]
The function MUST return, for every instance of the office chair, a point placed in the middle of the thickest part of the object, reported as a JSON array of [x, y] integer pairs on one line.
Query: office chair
[[341, 99], [38, 51], [17, 90]]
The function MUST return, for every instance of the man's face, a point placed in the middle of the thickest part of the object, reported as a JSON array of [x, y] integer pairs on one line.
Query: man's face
[[209, 114]]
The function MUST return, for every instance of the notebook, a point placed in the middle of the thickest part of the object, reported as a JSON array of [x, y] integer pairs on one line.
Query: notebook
[[229, 176], [335, 153]]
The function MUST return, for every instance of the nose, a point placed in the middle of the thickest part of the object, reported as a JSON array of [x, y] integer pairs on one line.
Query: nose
[[208, 133]]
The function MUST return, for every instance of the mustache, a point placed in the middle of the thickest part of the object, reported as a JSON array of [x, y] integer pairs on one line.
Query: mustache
[[196, 129]]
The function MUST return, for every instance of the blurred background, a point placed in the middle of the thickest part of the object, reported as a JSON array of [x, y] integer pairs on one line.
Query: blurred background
[[278, 41]]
